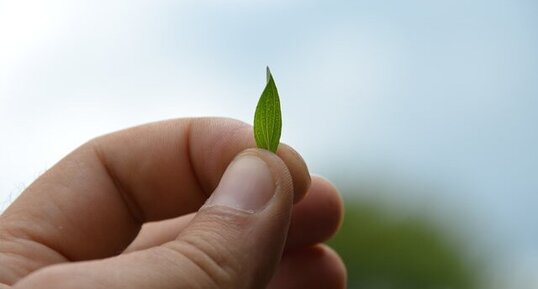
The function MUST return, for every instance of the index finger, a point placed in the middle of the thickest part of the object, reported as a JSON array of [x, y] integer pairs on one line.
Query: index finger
[[94, 201]]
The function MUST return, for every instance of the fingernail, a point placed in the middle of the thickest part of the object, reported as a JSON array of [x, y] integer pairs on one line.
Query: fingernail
[[247, 184]]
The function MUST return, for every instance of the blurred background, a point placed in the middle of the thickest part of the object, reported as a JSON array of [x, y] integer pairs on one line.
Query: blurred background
[[423, 113]]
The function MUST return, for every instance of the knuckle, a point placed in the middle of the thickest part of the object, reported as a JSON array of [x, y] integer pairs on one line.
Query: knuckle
[[213, 253]]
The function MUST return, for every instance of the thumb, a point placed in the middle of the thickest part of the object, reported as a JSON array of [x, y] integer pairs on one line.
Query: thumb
[[237, 237], [235, 240]]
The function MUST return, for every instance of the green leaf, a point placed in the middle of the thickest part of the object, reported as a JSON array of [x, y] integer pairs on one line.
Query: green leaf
[[268, 118]]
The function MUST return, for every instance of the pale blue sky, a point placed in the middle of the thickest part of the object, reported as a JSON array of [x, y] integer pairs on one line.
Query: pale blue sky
[[432, 94]]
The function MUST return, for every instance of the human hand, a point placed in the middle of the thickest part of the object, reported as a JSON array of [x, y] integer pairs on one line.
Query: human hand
[[79, 224]]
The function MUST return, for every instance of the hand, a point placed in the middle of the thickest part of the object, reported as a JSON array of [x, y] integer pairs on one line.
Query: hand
[[116, 213]]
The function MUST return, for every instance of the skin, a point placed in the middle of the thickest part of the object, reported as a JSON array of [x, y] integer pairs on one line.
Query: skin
[[125, 210]]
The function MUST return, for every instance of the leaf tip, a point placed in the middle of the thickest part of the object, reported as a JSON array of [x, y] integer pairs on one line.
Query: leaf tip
[[268, 73]]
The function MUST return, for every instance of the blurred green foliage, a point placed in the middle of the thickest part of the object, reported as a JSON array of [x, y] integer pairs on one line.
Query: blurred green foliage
[[384, 251]]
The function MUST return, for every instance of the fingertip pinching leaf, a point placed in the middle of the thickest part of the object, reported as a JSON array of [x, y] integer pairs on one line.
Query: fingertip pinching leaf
[[268, 118]]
